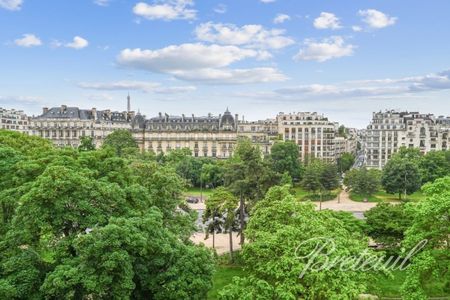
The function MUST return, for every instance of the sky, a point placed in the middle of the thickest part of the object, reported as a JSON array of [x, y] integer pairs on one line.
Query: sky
[[344, 59]]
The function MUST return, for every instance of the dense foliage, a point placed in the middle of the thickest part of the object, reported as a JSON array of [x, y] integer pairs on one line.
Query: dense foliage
[[283, 232], [93, 225]]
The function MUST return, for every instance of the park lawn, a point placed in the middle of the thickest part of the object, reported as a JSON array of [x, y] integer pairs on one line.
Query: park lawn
[[382, 286], [382, 196], [386, 286], [223, 276], [194, 191], [300, 193], [303, 195]]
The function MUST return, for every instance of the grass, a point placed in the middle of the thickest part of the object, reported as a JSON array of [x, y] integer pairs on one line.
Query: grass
[[194, 191], [223, 276], [382, 286], [382, 196], [386, 286], [301, 194]]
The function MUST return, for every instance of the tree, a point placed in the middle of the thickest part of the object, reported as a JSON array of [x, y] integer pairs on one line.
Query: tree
[[434, 165], [311, 181], [284, 157], [401, 175], [223, 204], [430, 222], [282, 233], [124, 259], [345, 162], [121, 141], [342, 131], [247, 177], [90, 224], [386, 224], [363, 181], [86, 144]]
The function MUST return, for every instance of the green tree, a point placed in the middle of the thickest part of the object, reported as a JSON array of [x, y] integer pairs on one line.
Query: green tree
[[345, 162], [121, 141], [284, 157], [363, 181], [223, 204], [86, 144], [247, 177], [401, 176], [434, 165], [282, 233], [430, 222], [386, 224]]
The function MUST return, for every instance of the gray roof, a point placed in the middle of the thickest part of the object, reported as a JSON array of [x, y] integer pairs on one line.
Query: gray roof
[[75, 113]]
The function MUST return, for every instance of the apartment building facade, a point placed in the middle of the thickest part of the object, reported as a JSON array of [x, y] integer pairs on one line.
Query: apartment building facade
[[65, 126], [15, 120], [390, 130], [313, 133]]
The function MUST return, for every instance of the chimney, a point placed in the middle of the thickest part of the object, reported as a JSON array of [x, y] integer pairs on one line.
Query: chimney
[[220, 120], [182, 117], [63, 108], [94, 113], [160, 115], [44, 110]]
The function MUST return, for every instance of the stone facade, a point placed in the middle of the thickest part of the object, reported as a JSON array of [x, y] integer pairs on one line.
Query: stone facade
[[16, 120], [262, 133], [65, 126], [313, 133], [209, 136], [390, 130]]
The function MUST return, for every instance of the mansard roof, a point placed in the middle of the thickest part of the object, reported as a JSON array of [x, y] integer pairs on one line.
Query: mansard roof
[[75, 113]]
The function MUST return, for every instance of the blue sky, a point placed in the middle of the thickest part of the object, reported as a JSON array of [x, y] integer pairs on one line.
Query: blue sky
[[344, 59]]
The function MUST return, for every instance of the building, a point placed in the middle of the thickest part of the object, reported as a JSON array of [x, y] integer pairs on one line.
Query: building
[[262, 133], [12, 119], [390, 130], [208, 136], [65, 126], [313, 133]]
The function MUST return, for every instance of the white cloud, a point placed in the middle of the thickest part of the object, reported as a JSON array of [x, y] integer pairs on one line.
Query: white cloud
[[367, 88], [184, 57], [220, 8], [28, 40], [267, 1], [281, 18], [166, 10], [356, 28], [232, 76], [175, 89], [199, 62], [324, 50], [327, 20], [376, 19], [102, 2], [254, 36], [11, 4], [77, 43], [142, 86]]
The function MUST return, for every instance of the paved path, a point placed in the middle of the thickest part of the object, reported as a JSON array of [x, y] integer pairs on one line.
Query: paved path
[[344, 203], [222, 242]]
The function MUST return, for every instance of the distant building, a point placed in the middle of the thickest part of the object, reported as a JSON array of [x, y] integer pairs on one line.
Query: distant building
[[262, 133], [390, 130], [12, 119], [313, 133], [65, 126], [208, 136]]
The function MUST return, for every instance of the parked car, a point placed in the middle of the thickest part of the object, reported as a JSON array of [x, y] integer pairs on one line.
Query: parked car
[[192, 200]]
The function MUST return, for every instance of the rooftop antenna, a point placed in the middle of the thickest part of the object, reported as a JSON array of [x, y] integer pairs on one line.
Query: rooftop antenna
[[128, 102]]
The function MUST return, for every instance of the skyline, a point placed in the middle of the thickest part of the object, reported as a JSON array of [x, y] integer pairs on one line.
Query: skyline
[[181, 56]]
